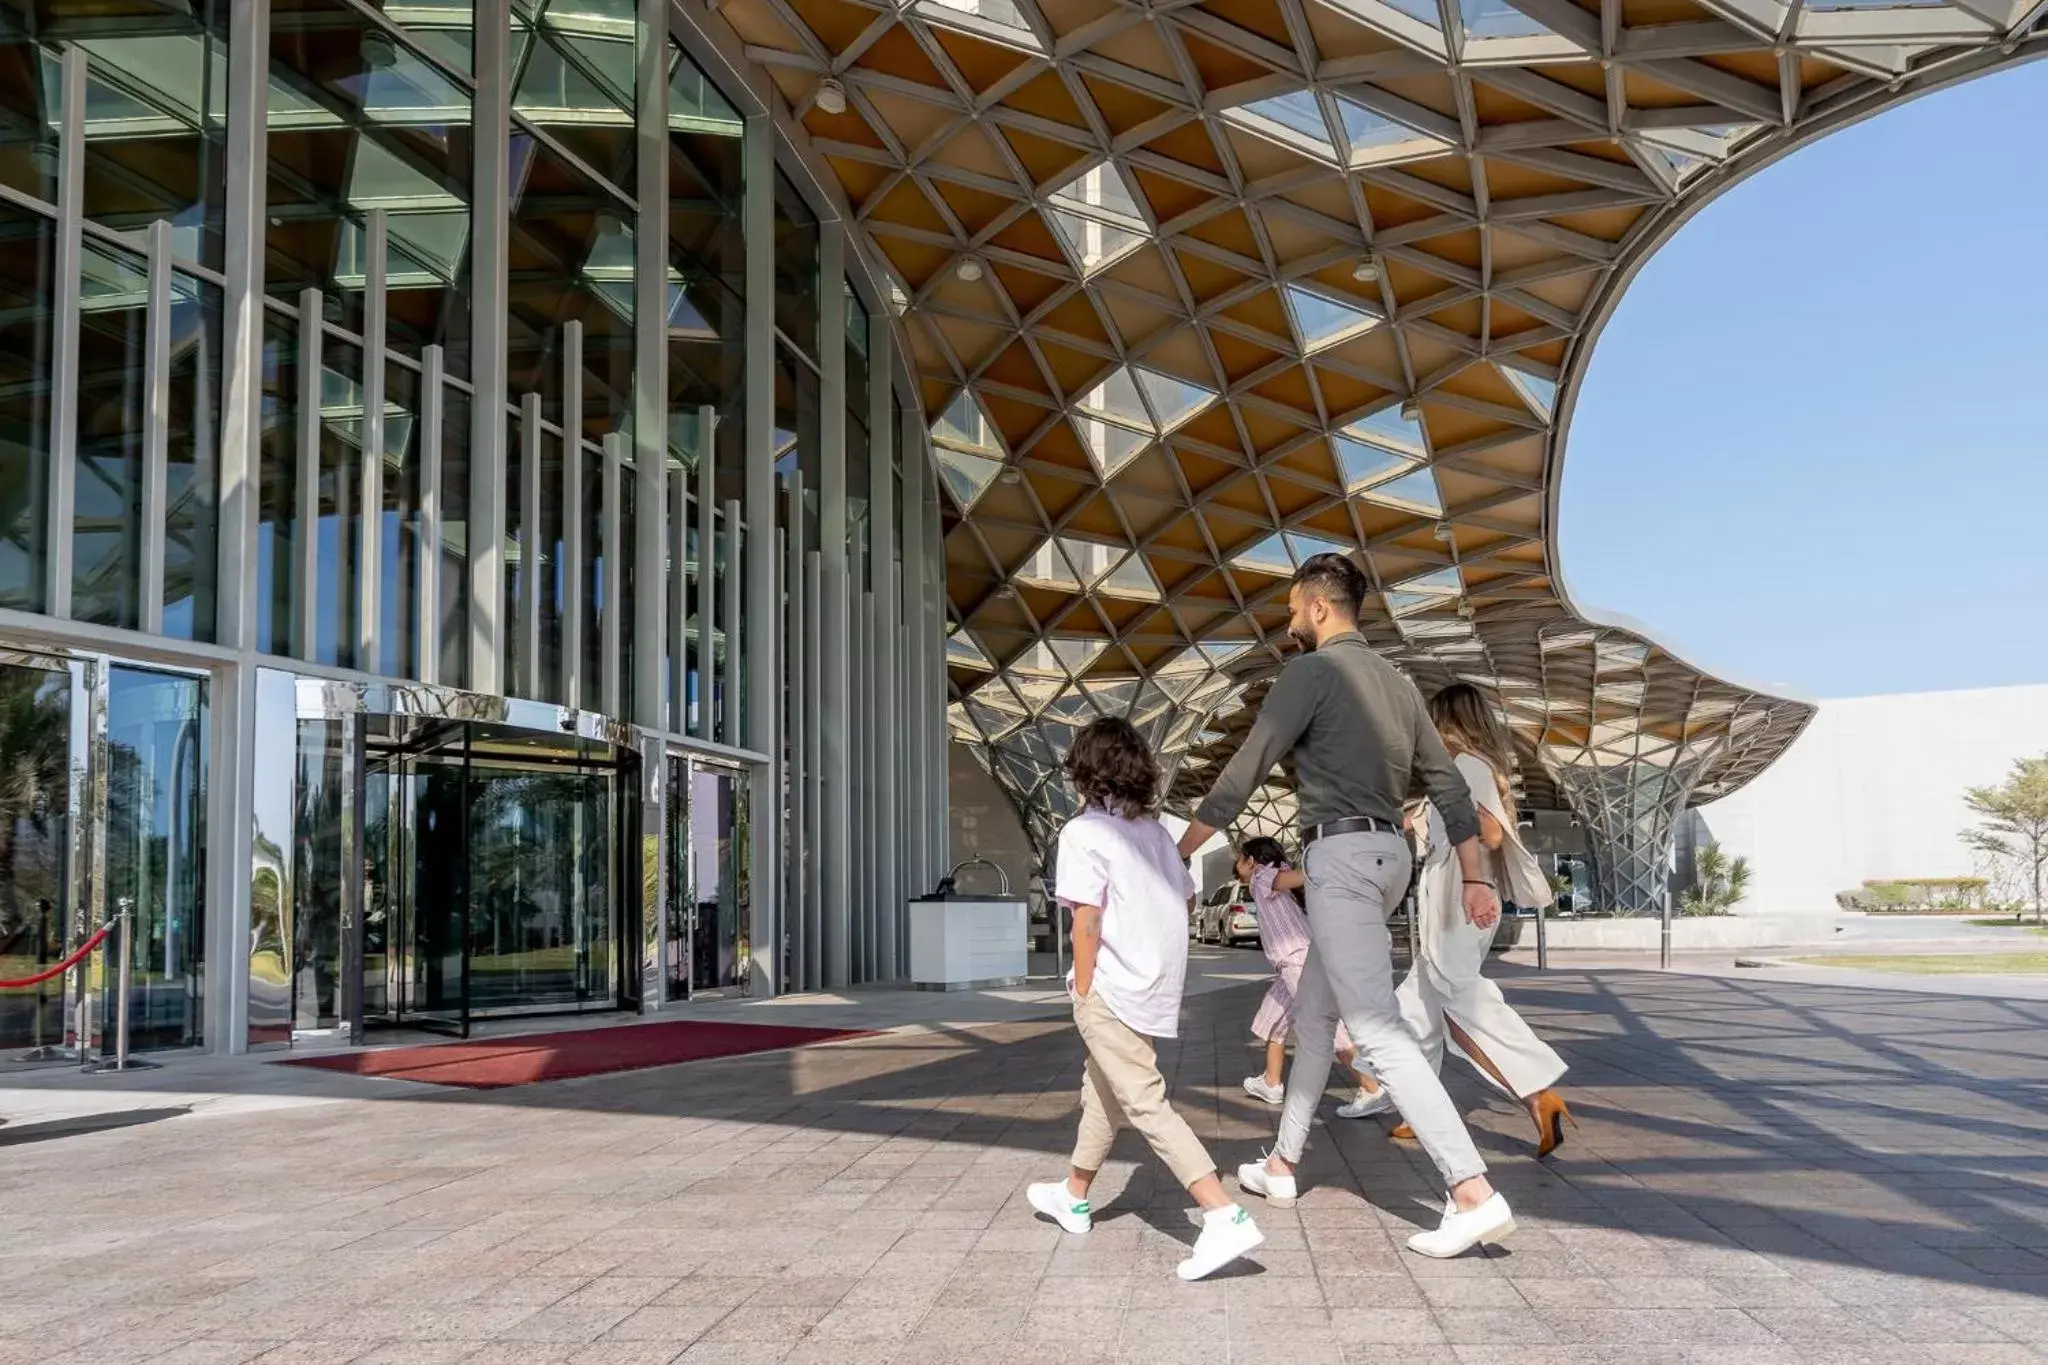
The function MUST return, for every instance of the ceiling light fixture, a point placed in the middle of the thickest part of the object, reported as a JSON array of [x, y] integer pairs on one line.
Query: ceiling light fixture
[[1466, 609], [378, 52], [1443, 530], [831, 96], [1411, 410], [1012, 477], [1365, 272], [970, 270]]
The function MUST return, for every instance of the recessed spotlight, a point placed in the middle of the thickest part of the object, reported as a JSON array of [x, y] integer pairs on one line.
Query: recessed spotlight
[[831, 96], [1443, 530], [970, 270], [1012, 477], [1365, 272], [379, 53], [1411, 410], [1006, 592]]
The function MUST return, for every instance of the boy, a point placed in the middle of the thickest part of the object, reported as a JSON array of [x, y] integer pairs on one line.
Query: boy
[[1119, 870]]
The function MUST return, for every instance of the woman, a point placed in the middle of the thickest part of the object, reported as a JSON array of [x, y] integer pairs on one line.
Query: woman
[[1283, 936], [1444, 991]]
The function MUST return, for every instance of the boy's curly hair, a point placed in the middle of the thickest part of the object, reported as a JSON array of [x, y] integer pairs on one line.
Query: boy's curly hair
[[1111, 766]]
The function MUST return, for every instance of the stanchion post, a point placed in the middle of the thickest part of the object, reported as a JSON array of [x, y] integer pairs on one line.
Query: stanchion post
[[1664, 931], [126, 961], [1542, 942]]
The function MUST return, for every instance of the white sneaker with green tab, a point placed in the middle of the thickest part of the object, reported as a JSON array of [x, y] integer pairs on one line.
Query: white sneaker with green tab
[[1053, 1199], [1227, 1233]]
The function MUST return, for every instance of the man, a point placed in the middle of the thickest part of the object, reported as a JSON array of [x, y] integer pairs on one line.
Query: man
[[1361, 741]]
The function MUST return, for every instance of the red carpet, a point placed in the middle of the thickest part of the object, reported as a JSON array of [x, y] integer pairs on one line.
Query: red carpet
[[496, 1063]]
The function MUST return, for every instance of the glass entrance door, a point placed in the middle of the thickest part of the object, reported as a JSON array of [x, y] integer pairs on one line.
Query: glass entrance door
[[39, 699], [708, 939], [416, 876], [102, 815]]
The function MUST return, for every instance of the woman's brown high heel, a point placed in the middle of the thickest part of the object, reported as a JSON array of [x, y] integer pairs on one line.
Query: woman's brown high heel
[[1401, 1132], [1551, 1115]]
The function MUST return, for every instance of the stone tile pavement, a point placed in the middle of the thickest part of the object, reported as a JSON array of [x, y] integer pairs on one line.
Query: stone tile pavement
[[1767, 1172]]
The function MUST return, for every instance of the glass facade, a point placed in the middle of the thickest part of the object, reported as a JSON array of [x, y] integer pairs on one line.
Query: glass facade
[[463, 460]]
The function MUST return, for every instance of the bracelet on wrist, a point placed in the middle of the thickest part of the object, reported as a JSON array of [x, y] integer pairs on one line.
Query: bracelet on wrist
[[1470, 881]]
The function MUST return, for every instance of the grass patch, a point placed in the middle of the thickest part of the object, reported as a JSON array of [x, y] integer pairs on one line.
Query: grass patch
[[2008, 922], [1936, 964]]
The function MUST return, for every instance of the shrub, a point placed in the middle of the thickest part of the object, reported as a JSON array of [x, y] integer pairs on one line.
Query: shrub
[[1917, 895]]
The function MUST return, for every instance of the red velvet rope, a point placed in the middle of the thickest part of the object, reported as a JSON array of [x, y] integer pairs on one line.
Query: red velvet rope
[[66, 965]]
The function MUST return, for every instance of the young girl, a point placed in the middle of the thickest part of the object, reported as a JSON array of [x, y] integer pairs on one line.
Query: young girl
[[1283, 935], [1120, 871]]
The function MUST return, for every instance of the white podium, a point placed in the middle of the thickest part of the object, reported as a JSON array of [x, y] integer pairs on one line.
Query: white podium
[[968, 943]]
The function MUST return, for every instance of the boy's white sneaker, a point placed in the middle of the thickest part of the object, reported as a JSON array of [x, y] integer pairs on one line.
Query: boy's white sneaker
[[1259, 1088], [1053, 1199], [1227, 1233], [1277, 1190], [1460, 1232], [1367, 1103]]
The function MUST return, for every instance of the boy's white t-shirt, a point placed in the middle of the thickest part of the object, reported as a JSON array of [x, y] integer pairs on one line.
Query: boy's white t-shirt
[[1132, 869]]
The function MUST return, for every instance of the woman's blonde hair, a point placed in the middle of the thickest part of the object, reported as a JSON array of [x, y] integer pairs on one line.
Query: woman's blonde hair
[[1465, 719]]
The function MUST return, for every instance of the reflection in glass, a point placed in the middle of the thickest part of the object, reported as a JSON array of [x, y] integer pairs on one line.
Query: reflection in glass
[[156, 110], [339, 502], [273, 851], [796, 267], [718, 889], [314, 926], [360, 122], [454, 547], [155, 860], [573, 75], [112, 432], [28, 330], [35, 841], [398, 546], [277, 512], [31, 80]]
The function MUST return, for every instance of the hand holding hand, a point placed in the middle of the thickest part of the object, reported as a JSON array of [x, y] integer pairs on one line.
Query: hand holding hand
[[1482, 906]]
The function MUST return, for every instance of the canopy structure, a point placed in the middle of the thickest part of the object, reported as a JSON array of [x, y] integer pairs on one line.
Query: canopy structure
[[1199, 289]]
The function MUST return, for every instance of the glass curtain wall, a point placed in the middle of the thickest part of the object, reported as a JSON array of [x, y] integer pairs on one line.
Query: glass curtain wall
[[706, 376]]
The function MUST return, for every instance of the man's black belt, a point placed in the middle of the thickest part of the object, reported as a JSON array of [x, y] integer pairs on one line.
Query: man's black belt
[[1356, 824]]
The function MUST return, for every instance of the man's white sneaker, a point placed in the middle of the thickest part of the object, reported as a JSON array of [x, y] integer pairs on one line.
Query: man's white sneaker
[[1053, 1199], [1277, 1190], [1460, 1232], [1260, 1089], [1367, 1103], [1227, 1234]]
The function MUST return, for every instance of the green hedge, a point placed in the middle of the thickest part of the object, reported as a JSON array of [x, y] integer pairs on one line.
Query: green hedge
[[1916, 895]]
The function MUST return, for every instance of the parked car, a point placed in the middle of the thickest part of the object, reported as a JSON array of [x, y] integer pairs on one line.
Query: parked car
[[1227, 915]]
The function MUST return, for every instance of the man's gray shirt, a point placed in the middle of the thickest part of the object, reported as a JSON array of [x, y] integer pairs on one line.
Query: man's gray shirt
[[1362, 742]]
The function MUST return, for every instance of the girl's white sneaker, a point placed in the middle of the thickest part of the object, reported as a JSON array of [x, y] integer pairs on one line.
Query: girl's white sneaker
[[1367, 1103], [1277, 1190], [1227, 1234], [1259, 1089], [1053, 1199]]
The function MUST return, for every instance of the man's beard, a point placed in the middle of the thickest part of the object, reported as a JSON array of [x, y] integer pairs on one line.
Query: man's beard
[[1304, 638]]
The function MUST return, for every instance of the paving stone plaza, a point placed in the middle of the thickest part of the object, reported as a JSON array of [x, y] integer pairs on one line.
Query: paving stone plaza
[[1766, 1171]]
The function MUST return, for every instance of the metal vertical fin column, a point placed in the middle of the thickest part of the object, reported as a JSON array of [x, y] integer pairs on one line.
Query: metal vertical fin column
[[370, 526], [242, 319], [612, 521], [797, 837], [572, 513], [306, 546], [706, 725], [63, 489], [812, 739], [651, 649], [836, 713], [755, 632], [676, 585], [889, 893], [916, 703], [156, 427], [489, 297], [432, 510], [526, 681]]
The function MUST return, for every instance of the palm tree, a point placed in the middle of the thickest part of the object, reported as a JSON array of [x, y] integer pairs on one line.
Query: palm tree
[[1720, 882]]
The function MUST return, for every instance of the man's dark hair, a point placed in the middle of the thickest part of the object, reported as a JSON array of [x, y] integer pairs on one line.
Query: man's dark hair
[[1335, 579], [1110, 766]]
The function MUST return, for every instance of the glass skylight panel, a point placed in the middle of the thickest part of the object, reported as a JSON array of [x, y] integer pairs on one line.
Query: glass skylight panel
[[1539, 393], [1002, 13], [1416, 492], [1268, 556], [963, 728], [1130, 579], [554, 91], [1498, 19], [1298, 115], [408, 93], [1822, 6], [1389, 430], [1048, 568], [856, 322], [1116, 397], [1076, 654], [1111, 447], [966, 476], [1094, 243], [1101, 192], [963, 426], [961, 650], [1424, 10], [1221, 654], [1306, 547], [694, 103], [1173, 400], [1321, 321], [1091, 559], [1363, 466]]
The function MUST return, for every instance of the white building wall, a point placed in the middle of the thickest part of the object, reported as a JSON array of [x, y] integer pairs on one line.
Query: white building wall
[[1874, 789]]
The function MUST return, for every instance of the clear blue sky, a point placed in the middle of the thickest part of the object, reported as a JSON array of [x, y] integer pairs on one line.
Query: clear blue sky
[[1812, 448]]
